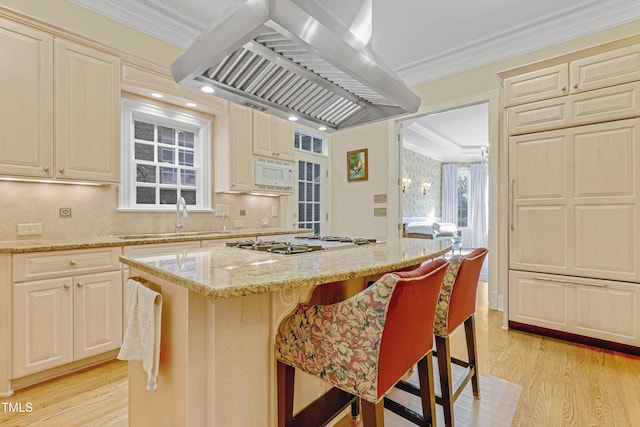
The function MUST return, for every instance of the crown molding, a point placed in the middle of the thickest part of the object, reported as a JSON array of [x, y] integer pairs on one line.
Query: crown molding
[[163, 23], [564, 25]]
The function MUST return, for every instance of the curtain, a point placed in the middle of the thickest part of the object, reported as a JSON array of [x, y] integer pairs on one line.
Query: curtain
[[450, 193], [478, 207]]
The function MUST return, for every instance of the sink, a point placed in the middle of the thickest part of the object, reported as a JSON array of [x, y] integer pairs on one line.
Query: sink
[[171, 235]]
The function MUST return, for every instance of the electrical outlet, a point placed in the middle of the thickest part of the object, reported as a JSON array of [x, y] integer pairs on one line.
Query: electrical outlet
[[65, 212], [238, 223], [33, 229], [264, 222], [222, 210], [379, 211], [274, 211]]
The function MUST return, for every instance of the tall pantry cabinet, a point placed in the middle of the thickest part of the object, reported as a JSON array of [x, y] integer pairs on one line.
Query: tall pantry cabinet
[[573, 127]]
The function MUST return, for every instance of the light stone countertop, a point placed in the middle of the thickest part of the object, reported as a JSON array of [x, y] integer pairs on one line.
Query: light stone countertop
[[226, 272], [44, 245]]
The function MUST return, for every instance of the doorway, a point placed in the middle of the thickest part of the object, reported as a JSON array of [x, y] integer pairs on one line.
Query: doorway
[[464, 134]]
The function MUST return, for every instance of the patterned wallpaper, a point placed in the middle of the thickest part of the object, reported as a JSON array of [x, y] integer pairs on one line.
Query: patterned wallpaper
[[421, 169]]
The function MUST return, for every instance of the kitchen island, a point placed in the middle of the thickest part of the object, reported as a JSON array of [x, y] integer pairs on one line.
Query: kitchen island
[[221, 311]]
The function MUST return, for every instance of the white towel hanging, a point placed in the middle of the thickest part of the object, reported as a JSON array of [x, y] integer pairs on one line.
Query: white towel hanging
[[142, 335]]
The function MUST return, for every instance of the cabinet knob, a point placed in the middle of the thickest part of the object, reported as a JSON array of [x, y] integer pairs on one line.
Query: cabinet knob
[[79, 284], [575, 86], [67, 285], [61, 170], [46, 168], [73, 262]]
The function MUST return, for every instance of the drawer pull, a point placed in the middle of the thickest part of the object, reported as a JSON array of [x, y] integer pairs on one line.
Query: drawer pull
[[73, 262], [545, 279], [79, 284], [67, 285]]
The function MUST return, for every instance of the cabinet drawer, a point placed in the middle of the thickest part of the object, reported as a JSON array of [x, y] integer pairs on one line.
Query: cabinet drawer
[[546, 83], [59, 263], [601, 309], [613, 103]]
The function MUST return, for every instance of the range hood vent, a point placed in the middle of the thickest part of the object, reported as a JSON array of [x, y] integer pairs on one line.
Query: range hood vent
[[291, 58]]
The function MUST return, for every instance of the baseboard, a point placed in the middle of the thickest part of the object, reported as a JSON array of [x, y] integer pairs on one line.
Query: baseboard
[[575, 338], [59, 371]]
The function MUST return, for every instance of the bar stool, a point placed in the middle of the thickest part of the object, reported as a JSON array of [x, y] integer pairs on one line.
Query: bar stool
[[456, 305], [361, 346]]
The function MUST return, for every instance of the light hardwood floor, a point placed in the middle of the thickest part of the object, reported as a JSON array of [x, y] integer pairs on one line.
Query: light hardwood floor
[[563, 384]]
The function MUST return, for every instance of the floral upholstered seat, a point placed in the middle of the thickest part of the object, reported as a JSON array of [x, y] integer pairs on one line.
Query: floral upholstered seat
[[365, 344]]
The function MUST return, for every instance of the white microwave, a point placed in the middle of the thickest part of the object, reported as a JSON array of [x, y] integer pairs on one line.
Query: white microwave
[[272, 174]]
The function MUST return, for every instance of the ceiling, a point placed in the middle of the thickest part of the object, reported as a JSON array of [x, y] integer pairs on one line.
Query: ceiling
[[421, 40]]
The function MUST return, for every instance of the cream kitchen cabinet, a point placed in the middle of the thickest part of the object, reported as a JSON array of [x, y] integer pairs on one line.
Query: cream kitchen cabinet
[[574, 201], [61, 108], [72, 311], [234, 158], [609, 68], [601, 309], [272, 136], [545, 83], [601, 105]]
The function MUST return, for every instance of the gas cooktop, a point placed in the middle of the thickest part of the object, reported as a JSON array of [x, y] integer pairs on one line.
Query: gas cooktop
[[301, 244]]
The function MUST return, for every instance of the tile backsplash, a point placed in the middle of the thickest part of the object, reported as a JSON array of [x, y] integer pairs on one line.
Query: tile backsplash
[[94, 212]]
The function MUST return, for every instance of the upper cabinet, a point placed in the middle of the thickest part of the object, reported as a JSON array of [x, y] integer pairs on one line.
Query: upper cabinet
[[606, 69], [550, 82], [87, 113], [272, 136], [60, 111], [581, 89]]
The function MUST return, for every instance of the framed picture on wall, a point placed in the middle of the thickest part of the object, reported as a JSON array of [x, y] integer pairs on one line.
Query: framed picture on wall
[[357, 165]]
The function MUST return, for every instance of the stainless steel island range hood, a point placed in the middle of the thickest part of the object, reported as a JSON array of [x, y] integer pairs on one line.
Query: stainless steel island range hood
[[292, 58]]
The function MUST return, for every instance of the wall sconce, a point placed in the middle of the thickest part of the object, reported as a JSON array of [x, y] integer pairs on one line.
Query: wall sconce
[[426, 186], [484, 153], [406, 184]]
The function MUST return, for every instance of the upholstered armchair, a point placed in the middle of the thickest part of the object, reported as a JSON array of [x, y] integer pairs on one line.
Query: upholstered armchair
[[448, 231]]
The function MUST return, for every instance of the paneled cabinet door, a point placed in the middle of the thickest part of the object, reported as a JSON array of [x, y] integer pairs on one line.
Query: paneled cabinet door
[[272, 136], [87, 105], [537, 85], [97, 314], [606, 69], [26, 104], [42, 325], [240, 159]]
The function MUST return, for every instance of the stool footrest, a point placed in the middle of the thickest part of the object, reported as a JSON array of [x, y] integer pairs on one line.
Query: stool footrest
[[326, 407], [406, 413]]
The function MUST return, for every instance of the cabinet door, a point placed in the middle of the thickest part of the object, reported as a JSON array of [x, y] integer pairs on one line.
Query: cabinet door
[[607, 69], [282, 138], [262, 135], [87, 105], [607, 310], [97, 313], [42, 325], [536, 299], [26, 102], [540, 217], [240, 161], [537, 85]]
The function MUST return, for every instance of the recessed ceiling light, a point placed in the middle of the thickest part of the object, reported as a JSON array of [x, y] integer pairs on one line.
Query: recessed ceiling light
[[192, 104], [157, 95], [322, 128], [293, 118], [207, 89]]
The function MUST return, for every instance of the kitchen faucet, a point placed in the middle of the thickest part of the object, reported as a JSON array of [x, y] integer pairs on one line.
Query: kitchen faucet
[[180, 205]]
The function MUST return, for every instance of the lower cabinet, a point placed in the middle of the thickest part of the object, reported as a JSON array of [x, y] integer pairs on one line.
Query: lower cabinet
[[67, 306], [601, 309]]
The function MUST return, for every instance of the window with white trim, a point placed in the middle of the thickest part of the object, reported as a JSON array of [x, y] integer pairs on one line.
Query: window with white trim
[[165, 156]]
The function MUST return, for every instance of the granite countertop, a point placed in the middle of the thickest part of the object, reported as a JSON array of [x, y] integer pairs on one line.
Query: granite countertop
[[225, 272], [43, 245]]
